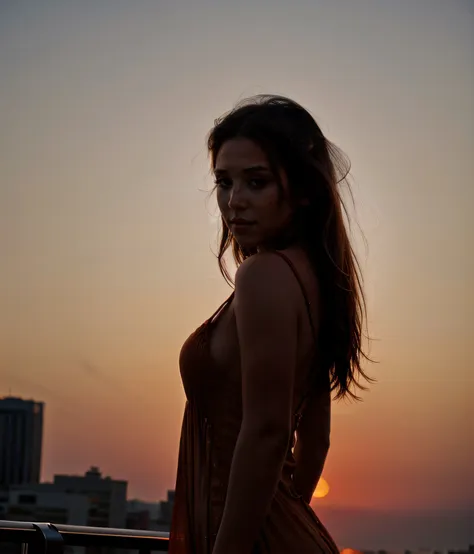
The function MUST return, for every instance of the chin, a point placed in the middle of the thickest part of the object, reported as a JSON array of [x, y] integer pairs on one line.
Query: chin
[[247, 244], [246, 240]]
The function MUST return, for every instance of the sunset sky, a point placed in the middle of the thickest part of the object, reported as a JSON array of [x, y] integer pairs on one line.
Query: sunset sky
[[107, 232]]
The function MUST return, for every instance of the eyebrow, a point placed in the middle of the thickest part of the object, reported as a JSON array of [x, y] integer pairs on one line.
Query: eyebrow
[[251, 169]]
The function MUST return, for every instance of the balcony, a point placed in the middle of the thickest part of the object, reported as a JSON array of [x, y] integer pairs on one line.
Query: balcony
[[46, 538]]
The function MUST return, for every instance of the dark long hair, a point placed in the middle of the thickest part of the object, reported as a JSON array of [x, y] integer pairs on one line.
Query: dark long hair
[[315, 167]]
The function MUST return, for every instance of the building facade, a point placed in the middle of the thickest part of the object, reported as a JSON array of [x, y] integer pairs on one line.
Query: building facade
[[107, 497], [21, 438], [43, 503]]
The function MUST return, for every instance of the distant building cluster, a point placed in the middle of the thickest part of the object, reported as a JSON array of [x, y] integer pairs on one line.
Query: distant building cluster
[[88, 499], [75, 500], [149, 516]]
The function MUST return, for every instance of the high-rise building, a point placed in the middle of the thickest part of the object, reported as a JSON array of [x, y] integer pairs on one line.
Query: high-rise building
[[21, 437]]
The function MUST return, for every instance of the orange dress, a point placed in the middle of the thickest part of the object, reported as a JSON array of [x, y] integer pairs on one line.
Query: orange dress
[[211, 424]]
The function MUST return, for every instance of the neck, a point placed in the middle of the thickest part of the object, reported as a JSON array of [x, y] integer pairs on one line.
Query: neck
[[281, 242]]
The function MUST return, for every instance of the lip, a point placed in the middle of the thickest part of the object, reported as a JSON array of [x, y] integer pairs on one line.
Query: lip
[[239, 225]]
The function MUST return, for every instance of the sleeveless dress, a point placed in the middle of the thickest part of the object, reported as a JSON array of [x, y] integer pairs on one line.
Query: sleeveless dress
[[211, 424]]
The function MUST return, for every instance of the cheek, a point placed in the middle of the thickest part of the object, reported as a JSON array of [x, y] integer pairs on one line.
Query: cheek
[[268, 200], [222, 200], [276, 209]]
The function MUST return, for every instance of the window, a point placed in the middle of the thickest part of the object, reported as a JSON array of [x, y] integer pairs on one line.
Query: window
[[27, 499]]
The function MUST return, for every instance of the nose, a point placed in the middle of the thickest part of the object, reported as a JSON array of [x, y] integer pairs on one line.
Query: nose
[[237, 198]]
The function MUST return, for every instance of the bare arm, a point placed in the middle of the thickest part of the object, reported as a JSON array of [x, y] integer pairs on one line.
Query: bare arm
[[312, 443], [266, 316]]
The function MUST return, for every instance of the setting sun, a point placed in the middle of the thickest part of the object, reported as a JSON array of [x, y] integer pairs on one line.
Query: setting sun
[[322, 489]]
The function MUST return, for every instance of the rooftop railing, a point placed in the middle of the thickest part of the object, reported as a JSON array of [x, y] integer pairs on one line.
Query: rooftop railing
[[46, 538]]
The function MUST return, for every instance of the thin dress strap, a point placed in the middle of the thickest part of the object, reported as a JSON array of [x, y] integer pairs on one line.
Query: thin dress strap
[[303, 290], [310, 317], [224, 304]]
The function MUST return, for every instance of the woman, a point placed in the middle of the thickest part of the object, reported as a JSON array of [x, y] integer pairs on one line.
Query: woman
[[258, 374]]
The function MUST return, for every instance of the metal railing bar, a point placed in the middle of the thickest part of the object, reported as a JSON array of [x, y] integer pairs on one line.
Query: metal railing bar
[[50, 539]]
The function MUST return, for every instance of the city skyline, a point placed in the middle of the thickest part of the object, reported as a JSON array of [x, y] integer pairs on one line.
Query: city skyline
[[108, 233], [354, 528]]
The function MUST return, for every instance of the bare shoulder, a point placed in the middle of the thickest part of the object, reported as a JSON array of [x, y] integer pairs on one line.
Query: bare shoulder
[[265, 273]]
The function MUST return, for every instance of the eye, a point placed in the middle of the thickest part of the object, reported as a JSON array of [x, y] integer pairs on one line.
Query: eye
[[257, 183], [223, 183]]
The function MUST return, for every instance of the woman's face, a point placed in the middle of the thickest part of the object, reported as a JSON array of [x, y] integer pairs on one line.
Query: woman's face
[[248, 195]]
